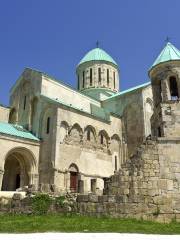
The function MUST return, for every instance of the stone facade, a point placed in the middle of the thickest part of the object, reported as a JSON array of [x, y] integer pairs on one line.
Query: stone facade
[[148, 184], [84, 135]]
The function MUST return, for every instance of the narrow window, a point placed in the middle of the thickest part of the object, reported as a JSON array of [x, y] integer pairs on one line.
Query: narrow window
[[83, 78], [115, 163], [173, 88], [108, 77], [24, 102], [102, 139], [99, 75], [93, 185], [114, 78], [48, 125], [159, 132], [90, 76], [88, 135]]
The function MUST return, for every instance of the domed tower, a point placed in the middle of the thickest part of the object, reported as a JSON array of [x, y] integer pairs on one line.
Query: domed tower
[[165, 79], [98, 73]]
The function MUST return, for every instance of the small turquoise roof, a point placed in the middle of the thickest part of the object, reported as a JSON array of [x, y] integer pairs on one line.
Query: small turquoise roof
[[97, 54], [16, 130], [169, 53]]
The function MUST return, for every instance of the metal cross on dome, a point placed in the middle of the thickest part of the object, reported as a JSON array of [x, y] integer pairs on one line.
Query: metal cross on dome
[[167, 39], [97, 44]]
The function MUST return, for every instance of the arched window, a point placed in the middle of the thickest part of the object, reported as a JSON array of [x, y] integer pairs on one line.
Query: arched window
[[114, 78], [115, 163], [159, 132], [90, 76], [99, 75], [48, 125], [88, 135], [102, 138], [24, 107], [83, 79], [107, 77], [173, 88]]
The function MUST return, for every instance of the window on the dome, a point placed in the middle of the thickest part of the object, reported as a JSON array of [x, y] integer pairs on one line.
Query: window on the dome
[[114, 77], [108, 77], [90, 76], [99, 75]]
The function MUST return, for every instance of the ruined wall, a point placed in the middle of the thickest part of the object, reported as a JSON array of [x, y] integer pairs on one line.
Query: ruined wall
[[147, 186]]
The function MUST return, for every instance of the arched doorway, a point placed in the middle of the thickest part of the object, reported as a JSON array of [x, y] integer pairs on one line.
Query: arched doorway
[[73, 169], [18, 170]]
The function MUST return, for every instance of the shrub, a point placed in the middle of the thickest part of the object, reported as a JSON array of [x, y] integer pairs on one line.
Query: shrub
[[41, 203], [60, 201]]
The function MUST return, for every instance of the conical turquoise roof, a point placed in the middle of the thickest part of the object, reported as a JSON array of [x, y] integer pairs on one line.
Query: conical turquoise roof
[[169, 53], [97, 54]]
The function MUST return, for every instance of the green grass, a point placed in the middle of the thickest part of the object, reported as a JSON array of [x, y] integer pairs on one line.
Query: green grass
[[74, 223]]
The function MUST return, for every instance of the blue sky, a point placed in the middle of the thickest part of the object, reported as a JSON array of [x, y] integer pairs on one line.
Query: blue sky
[[53, 35]]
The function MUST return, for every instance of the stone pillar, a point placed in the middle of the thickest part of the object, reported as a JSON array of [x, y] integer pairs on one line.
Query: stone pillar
[[35, 180], [165, 90], [1, 177], [67, 181]]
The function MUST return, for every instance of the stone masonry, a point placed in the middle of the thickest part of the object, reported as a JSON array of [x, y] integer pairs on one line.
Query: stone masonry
[[146, 187]]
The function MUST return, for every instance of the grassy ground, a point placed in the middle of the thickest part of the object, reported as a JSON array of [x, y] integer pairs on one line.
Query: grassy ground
[[62, 223]]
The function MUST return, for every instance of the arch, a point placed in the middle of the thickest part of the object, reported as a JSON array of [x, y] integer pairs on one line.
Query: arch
[[77, 127], [64, 129], [90, 133], [75, 133], [103, 137], [74, 172], [115, 143], [73, 168], [20, 168], [173, 87], [115, 137], [13, 116], [64, 124], [47, 112]]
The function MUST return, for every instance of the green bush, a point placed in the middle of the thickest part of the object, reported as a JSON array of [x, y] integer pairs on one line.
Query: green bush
[[60, 201], [41, 203]]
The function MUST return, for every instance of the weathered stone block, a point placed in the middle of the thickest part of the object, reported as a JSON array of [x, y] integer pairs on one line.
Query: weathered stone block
[[112, 198], [17, 196], [82, 198], [93, 198], [119, 199]]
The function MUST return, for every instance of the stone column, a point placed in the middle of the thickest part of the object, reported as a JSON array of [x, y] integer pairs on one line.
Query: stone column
[[1, 177], [35, 180], [68, 181]]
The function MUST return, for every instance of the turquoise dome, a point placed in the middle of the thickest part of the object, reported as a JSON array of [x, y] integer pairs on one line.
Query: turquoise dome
[[97, 54], [169, 53]]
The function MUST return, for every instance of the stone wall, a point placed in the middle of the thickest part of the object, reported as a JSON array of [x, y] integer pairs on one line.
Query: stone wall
[[146, 187], [4, 114]]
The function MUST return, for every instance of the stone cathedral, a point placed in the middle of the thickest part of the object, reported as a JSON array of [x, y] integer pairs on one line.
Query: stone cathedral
[[57, 138]]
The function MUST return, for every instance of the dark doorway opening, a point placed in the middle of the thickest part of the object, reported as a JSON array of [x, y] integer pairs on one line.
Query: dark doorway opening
[[173, 88], [18, 180], [73, 181]]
